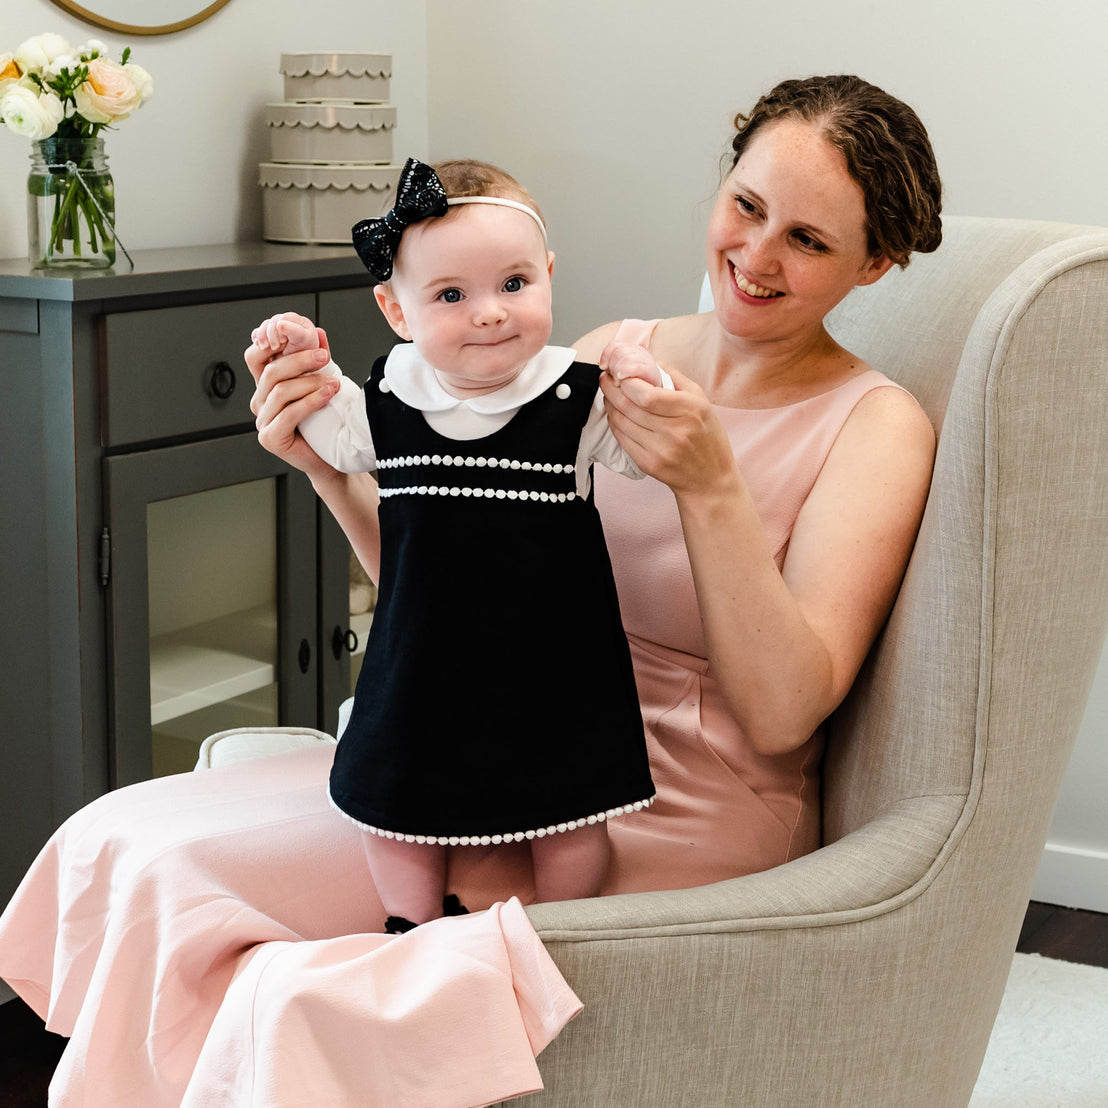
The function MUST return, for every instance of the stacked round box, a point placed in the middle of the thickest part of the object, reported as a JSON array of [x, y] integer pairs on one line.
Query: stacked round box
[[330, 147]]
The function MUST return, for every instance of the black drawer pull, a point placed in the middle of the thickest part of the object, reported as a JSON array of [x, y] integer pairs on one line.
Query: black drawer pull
[[341, 641], [223, 381]]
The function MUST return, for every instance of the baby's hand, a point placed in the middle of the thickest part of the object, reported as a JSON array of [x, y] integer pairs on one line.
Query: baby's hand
[[287, 333], [621, 360]]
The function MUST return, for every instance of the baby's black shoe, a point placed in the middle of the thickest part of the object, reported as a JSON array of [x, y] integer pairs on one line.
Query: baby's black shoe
[[452, 906], [398, 925]]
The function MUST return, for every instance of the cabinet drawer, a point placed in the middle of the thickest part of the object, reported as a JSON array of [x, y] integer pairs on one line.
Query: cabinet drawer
[[179, 371]]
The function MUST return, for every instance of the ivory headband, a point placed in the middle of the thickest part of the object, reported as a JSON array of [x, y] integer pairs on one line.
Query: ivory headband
[[504, 203]]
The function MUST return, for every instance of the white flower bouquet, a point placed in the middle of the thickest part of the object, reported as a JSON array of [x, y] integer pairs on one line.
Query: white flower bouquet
[[61, 98]]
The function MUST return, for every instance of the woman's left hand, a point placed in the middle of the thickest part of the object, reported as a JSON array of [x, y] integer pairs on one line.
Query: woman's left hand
[[674, 436]]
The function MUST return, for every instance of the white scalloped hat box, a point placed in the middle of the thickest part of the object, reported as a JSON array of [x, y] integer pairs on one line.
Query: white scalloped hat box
[[330, 131], [320, 203], [362, 77]]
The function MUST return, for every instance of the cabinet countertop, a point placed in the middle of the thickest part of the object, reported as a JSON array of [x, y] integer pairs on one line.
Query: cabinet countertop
[[179, 268]]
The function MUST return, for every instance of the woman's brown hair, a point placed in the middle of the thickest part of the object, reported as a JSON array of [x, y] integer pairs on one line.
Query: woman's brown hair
[[886, 149]]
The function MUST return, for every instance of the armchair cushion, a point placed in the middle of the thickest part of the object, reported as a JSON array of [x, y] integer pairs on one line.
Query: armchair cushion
[[241, 744]]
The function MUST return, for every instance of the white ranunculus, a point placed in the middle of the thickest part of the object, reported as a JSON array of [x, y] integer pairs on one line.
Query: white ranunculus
[[36, 53], [93, 46], [143, 81], [32, 116], [53, 107]]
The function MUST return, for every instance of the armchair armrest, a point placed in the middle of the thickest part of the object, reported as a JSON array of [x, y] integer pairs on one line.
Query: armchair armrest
[[873, 870]]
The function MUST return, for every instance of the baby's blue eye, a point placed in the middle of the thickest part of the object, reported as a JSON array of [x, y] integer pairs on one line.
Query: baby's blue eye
[[450, 296], [513, 284]]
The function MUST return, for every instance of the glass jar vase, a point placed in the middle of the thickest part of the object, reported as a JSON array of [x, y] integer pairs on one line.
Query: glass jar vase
[[70, 203]]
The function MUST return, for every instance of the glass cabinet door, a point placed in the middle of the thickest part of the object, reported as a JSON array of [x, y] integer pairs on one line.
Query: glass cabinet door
[[211, 567], [212, 603]]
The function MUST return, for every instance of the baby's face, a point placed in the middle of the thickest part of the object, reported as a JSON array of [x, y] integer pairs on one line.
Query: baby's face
[[472, 291]]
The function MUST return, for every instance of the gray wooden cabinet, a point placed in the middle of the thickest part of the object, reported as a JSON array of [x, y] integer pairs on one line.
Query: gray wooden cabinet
[[140, 518]]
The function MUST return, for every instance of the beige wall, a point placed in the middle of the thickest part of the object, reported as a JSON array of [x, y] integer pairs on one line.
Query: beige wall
[[615, 111]]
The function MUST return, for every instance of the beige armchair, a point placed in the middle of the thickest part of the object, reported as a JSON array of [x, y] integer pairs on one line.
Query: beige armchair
[[869, 973]]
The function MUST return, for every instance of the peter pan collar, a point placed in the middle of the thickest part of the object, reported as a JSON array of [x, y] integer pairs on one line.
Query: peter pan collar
[[412, 379]]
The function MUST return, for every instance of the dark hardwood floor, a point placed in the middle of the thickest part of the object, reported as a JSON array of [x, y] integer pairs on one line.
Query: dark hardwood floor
[[28, 1053], [1068, 934]]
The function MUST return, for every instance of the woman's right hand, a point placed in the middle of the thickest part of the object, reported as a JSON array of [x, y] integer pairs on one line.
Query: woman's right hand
[[672, 435], [289, 388]]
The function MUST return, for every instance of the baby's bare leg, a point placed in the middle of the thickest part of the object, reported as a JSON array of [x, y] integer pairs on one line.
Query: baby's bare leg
[[572, 864], [410, 877]]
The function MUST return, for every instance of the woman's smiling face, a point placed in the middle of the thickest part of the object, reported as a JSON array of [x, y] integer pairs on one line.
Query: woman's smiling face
[[787, 236]]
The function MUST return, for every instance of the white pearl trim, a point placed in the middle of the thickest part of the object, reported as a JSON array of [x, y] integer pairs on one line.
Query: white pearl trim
[[491, 494], [459, 460], [496, 840]]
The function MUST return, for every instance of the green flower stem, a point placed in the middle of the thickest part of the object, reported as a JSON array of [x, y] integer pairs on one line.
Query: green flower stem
[[64, 225], [93, 219], [75, 211]]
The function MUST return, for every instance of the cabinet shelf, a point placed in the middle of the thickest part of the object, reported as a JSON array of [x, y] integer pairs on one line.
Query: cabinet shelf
[[208, 663]]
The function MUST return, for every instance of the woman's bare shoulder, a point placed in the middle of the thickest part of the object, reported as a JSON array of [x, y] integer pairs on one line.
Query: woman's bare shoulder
[[675, 331], [894, 412], [589, 346], [888, 441]]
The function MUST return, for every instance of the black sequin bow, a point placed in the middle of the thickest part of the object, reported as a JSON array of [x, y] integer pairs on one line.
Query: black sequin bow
[[419, 194]]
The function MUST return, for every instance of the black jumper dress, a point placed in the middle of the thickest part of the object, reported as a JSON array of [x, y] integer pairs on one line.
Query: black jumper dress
[[496, 698]]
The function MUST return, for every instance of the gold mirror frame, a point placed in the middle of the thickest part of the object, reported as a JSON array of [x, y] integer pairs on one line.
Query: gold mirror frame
[[130, 28]]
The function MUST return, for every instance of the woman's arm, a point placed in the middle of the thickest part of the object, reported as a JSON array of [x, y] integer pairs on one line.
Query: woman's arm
[[288, 390], [785, 647]]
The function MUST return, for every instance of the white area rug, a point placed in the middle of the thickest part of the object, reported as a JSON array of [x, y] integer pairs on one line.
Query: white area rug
[[1049, 1047]]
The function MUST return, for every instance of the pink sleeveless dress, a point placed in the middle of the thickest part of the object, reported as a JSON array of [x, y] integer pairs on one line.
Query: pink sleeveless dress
[[722, 810], [145, 906]]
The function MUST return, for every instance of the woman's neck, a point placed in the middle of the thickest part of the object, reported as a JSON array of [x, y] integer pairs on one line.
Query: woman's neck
[[742, 373]]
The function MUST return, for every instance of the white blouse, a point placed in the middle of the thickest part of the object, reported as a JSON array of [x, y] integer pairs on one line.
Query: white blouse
[[340, 435]]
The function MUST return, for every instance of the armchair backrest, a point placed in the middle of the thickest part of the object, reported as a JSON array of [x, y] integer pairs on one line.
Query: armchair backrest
[[977, 685]]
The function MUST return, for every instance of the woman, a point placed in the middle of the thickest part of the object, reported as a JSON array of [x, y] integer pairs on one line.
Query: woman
[[790, 480], [754, 572]]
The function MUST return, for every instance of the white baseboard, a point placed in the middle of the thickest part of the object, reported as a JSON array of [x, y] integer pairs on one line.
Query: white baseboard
[[1073, 877]]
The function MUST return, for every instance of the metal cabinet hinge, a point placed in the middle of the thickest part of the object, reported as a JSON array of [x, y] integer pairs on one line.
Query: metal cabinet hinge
[[105, 559]]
